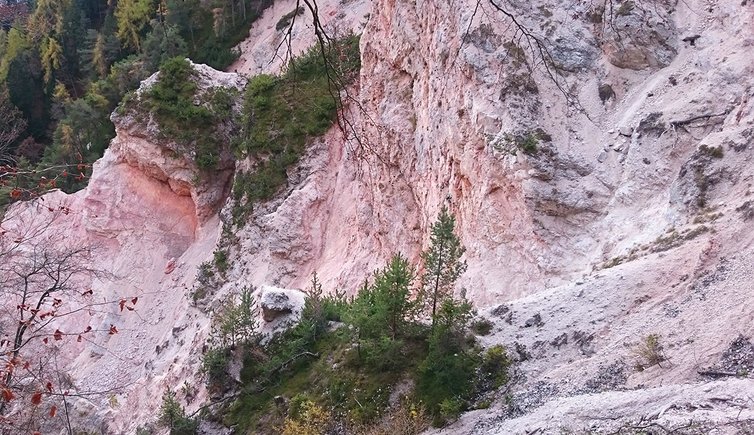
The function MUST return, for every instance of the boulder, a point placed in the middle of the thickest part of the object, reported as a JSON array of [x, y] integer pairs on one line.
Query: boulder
[[276, 303]]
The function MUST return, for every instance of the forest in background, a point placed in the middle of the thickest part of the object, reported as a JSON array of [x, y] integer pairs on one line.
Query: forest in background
[[66, 64]]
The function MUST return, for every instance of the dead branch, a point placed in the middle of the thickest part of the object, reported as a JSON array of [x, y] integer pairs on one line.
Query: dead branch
[[716, 373], [292, 359], [538, 49], [684, 122]]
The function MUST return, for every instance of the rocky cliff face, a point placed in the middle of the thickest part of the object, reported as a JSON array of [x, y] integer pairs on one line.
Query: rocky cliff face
[[601, 199]]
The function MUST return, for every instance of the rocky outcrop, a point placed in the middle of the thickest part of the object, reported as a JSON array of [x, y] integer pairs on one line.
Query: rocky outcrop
[[140, 143], [637, 34]]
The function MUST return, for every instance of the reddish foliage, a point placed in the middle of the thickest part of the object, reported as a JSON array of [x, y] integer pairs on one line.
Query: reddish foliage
[[36, 399], [8, 395]]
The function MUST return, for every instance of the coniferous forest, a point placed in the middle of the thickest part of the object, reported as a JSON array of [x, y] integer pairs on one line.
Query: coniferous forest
[[66, 64]]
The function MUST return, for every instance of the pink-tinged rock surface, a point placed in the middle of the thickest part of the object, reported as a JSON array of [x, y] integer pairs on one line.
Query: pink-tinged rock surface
[[135, 225], [621, 225], [149, 220]]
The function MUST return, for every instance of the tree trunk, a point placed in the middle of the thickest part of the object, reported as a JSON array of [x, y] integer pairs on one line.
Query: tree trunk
[[437, 282]]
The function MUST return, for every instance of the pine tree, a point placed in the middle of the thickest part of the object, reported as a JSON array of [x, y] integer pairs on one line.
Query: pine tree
[[132, 16], [381, 313], [393, 287], [442, 263]]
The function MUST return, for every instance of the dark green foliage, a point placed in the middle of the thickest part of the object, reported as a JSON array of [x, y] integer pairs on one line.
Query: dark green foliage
[[385, 307], [494, 366], [172, 101], [446, 377], [442, 263], [215, 365], [233, 326], [714, 152], [482, 326], [336, 306], [162, 44], [28, 91], [74, 45], [13, 126], [282, 113], [221, 260], [528, 144], [349, 371], [382, 314], [312, 363], [173, 416]]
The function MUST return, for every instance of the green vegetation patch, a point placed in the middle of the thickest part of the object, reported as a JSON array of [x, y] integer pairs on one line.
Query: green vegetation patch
[[281, 114], [359, 363], [191, 123]]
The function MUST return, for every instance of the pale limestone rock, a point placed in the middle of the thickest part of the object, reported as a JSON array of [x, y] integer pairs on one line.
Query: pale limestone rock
[[276, 303], [532, 224]]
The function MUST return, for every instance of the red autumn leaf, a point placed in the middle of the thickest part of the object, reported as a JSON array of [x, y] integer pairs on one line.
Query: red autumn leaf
[[7, 395], [113, 330], [27, 365], [135, 300], [78, 339], [88, 328], [129, 308], [53, 410], [44, 340], [122, 303], [88, 293], [58, 335], [36, 399], [49, 387]]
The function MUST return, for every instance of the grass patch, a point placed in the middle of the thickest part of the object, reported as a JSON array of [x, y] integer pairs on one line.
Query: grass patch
[[334, 380], [648, 353]]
